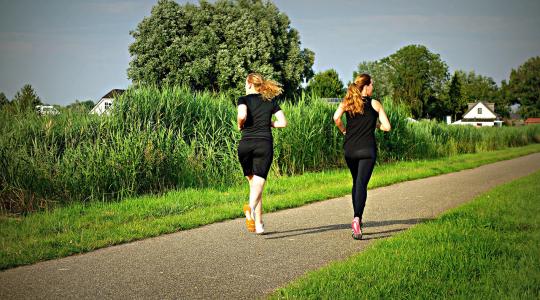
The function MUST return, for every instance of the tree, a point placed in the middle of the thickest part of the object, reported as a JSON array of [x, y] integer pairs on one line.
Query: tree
[[215, 46], [3, 100], [524, 88], [326, 85], [454, 103], [418, 77], [26, 98], [81, 106], [380, 74], [476, 87]]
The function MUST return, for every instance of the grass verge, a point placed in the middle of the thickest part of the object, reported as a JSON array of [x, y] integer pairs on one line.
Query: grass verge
[[79, 228], [485, 249]]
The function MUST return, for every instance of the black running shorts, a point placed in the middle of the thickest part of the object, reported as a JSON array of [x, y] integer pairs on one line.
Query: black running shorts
[[255, 156]]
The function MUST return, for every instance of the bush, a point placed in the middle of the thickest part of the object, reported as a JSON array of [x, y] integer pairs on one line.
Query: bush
[[170, 138]]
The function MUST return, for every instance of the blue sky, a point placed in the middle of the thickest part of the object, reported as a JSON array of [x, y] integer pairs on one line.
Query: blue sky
[[70, 50]]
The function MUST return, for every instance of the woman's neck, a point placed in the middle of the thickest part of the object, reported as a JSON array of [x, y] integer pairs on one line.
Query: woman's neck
[[251, 91]]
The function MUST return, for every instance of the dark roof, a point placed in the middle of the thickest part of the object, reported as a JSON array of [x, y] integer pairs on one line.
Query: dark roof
[[485, 104], [113, 93]]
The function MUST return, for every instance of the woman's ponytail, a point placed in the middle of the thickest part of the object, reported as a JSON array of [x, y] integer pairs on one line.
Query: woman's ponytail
[[352, 102], [268, 88]]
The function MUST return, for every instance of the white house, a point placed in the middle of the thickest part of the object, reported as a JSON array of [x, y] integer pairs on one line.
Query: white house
[[46, 110], [480, 114], [106, 102]]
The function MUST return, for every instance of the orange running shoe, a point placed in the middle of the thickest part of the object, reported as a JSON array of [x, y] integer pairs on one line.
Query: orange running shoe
[[250, 223]]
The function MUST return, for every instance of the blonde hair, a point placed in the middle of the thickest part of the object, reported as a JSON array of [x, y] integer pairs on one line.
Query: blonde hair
[[268, 88], [352, 102]]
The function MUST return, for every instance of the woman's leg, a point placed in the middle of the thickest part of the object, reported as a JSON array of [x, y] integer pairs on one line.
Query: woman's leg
[[365, 169], [249, 179], [255, 197], [353, 168]]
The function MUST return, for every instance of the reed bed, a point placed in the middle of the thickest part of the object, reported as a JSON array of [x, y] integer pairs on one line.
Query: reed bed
[[158, 139]]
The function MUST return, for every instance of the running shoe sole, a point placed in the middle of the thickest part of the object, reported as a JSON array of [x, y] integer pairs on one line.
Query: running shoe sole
[[250, 223]]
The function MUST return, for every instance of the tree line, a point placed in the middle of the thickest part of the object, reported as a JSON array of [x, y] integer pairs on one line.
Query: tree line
[[213, 46], [27, 99]]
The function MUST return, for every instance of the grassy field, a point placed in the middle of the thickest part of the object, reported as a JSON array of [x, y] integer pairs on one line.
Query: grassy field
[[81, 228], [160, 139], [486, 249]]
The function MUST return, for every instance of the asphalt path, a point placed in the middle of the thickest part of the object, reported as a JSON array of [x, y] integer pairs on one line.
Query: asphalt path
[[223, 261]]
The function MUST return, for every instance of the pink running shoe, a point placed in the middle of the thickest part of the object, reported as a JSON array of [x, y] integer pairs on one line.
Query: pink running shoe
[[356, 229]]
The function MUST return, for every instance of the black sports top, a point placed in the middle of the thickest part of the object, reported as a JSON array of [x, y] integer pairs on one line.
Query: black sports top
[[259, 116], [361, 128]]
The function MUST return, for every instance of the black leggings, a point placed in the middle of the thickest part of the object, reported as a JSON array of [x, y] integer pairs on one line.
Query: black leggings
[[361, 163]]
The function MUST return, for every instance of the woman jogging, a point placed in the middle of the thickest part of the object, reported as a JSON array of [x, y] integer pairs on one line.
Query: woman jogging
[[360, 146], [255, 150]]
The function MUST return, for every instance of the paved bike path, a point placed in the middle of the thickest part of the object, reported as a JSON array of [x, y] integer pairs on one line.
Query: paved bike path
[[223, 261]]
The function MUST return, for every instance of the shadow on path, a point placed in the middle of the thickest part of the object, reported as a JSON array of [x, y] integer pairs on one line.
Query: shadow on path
[[313, 230]]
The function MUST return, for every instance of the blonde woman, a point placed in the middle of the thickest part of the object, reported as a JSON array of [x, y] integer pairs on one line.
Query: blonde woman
[[360, 147], [255, 150]]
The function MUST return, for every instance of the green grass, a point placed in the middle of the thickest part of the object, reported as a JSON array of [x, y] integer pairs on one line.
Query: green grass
[[161, 139], [81, 228], [486, 249]]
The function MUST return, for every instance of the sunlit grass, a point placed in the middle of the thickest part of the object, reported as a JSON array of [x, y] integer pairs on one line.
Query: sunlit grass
[[486, 249], [80, 228]]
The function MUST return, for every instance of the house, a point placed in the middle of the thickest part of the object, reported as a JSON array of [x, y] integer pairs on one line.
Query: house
[[531, 121], [46, 110], [480, 114], [332, 100], [106, 102]]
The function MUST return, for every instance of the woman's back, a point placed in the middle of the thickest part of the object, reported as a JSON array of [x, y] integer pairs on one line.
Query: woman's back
[[360, 131], [259, 116]]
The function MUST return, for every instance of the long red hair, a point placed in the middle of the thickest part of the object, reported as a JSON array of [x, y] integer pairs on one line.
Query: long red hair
[[268, 88], [352, 102]]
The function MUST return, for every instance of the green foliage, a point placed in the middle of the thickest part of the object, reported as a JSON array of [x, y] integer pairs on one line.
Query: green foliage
[[476, 87], [413, 76], [326, 84], [524, 87], [455, 101], [81, 106], [418, 77], [3, 100], [215, 46], [26, 98], [39, 236], [380, 73], [485, 249], [157, 139]]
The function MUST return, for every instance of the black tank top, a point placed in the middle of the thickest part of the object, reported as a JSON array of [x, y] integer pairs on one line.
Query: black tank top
[[259, 116], [361, 128]]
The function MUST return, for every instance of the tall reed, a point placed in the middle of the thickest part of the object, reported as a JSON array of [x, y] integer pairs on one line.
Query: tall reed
[[157, 139]]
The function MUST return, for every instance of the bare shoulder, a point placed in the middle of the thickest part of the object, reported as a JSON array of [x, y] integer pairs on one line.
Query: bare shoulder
[[376, 104]]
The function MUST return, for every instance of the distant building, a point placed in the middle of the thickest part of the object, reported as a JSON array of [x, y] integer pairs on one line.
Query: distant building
[[480, 114], [46, 110], [531, 121], [332, 100], [106, 102]]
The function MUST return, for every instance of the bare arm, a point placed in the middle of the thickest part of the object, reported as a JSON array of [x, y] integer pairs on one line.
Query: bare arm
[[337, 118], [281, 122], [242, 116], [383, 118]]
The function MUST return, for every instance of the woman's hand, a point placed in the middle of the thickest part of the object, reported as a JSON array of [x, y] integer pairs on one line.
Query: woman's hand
[[337, 119], [384, 123]]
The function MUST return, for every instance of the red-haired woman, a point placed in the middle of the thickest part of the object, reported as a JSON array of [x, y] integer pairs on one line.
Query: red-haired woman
[[255, 150], [360, 147]]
